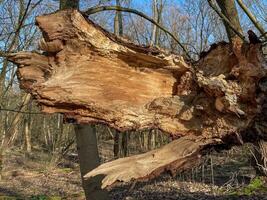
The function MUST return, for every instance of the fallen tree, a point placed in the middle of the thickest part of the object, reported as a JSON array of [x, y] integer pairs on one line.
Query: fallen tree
[[92, 76]]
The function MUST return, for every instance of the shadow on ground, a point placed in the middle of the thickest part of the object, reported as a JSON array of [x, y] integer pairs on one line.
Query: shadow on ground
[[156, 192]]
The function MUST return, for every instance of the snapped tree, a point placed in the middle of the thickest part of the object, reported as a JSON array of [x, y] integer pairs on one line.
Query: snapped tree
[[87, 143], [92, 76]]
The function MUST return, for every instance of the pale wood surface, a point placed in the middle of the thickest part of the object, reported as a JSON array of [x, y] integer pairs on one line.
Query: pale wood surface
[[91, 76]]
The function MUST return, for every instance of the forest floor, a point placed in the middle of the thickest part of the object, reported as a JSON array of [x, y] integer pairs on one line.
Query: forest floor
[[225, 175]]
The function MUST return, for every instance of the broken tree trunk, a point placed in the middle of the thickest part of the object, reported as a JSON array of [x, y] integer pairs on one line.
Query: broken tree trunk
[[92, 76], [86, 143]]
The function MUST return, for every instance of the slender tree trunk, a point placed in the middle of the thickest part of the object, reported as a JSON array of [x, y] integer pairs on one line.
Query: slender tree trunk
[[27, 131], [118, 24], [252, 18], [228, 8], [157, 12], [151, 140], [12, 130], [116, 146], [124, 144], [145, 141], [155, 16], [65, 4], [89, 159], [119, 149], [87, 145]]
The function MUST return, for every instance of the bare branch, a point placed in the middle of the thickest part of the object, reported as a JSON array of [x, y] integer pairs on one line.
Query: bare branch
[[252, 18], [226, 20], [97, 9], [19, 111], [23, 17], [4, 54], [263, 35]]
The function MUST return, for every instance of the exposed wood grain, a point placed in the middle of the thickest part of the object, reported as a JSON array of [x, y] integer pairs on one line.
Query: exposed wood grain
[[145, 166], [91, 76]]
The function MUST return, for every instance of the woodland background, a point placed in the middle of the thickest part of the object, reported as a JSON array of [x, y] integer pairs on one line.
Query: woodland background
[[38, 158]]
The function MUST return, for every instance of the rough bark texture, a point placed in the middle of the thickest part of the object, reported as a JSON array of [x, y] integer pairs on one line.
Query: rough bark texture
[[65, 4], [228, 8], [179, 154], [87, 144], [89, 159], [92, 76]]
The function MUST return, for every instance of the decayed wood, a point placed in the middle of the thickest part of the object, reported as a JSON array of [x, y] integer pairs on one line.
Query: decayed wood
[[179, 154], [92, 76]]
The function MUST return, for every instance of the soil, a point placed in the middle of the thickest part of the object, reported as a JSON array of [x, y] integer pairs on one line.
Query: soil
[[226, 175]]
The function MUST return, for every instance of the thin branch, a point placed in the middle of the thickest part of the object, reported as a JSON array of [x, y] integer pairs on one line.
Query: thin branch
[[135, 30], [12, 32], [13, 43], [252, 18], [4, 54], [224, 18], [23, 18], [97, 9], [19, 111], [263, 35]]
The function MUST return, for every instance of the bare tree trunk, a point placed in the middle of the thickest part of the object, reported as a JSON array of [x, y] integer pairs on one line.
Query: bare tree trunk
[[12, 131], [27, 135], [124, 143], [145, 140], [120, 146], [27, 131], [116, 146], [157, 12], [12, 46], [118, 24], [154, 30], [10, 134], [159, 15], [151, 139], [252, 18], [65, 4], [89, 159], [87, 144], [228, 8]]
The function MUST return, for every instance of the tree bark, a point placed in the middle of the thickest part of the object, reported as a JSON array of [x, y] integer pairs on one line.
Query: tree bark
[[116, 145], [118, 31], [155, 17], [252, 18], [87, 144], [124, 144], [89, 159], [157, 12], [118, 22], [27, 131], [65, 4], [215, 101], [228, 8]]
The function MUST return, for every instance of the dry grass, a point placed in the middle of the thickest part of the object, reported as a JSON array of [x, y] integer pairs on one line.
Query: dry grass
[[34, 177]]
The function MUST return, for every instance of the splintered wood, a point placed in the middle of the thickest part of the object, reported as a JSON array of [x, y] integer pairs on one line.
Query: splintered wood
[[92, 76]]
